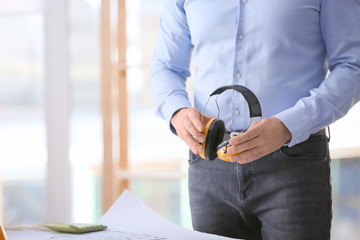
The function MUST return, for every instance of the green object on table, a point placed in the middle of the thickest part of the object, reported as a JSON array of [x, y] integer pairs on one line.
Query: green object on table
[[75, 228]]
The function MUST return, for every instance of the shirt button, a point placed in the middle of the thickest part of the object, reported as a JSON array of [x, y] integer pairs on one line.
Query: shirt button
[[238, 75], [237, 112], [241, 37], [244, 1]]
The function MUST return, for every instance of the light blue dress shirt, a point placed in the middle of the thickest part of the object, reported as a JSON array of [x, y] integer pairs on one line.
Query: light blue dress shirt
[[279, 49]]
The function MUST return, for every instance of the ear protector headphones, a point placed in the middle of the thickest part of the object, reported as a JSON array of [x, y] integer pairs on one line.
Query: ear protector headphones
[[214, 130]]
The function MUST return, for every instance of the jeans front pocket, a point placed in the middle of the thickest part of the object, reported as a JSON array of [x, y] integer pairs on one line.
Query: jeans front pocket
[[193, 157], [316, 148]]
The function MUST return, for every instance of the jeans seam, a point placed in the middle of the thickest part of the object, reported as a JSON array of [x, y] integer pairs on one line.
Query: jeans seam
[[238, 178]]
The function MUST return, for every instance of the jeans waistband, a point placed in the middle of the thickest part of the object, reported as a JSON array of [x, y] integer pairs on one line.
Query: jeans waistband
[[319, 133], [228, 135]]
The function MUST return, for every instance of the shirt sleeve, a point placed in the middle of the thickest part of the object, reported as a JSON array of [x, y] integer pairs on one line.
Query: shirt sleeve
[[340, 26], [171, 61]]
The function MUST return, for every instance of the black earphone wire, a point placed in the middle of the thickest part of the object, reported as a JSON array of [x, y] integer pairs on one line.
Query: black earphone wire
[[218, 115], [202, 115], [217, 105]]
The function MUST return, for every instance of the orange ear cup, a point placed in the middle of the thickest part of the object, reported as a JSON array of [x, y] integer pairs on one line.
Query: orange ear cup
[[222, 151], [214, 133], [224, 155], [205, 132]]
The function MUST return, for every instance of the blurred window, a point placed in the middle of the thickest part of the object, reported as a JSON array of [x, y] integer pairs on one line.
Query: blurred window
[[22, 126]]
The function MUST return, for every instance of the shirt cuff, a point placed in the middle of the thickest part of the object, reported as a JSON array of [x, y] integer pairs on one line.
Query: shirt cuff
[[298, 123]]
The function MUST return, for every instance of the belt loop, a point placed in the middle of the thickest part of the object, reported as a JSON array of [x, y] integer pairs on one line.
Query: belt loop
[[234, 134], [328, 137]]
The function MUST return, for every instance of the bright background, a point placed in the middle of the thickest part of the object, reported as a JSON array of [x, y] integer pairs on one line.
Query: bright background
[[23, 150]]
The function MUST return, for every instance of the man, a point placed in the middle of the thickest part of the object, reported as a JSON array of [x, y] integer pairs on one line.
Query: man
[[278, 186]]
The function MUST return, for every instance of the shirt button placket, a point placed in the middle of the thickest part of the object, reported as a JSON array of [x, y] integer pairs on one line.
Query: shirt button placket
[[238, 67], [241, 37]]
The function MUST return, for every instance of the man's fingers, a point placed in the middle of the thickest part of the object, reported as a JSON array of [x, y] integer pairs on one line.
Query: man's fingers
[[192, 137], [244, 137], [248, 156], [192, 143], [194, 125], [195, 118], [262, 138], [193, 131], [189, 126], [244, 146]]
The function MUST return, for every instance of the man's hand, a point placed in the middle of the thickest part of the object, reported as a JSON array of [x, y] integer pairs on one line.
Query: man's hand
[[188, 125], [262, 138]]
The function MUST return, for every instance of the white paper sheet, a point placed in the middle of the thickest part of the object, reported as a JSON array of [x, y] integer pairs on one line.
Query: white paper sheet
[[127, 219]]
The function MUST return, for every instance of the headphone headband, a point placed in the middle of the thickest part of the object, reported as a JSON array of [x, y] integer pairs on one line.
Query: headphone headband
[[251, 99]]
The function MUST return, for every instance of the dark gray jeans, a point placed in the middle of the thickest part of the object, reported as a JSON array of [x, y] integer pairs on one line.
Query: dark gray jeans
[[285, 195]]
